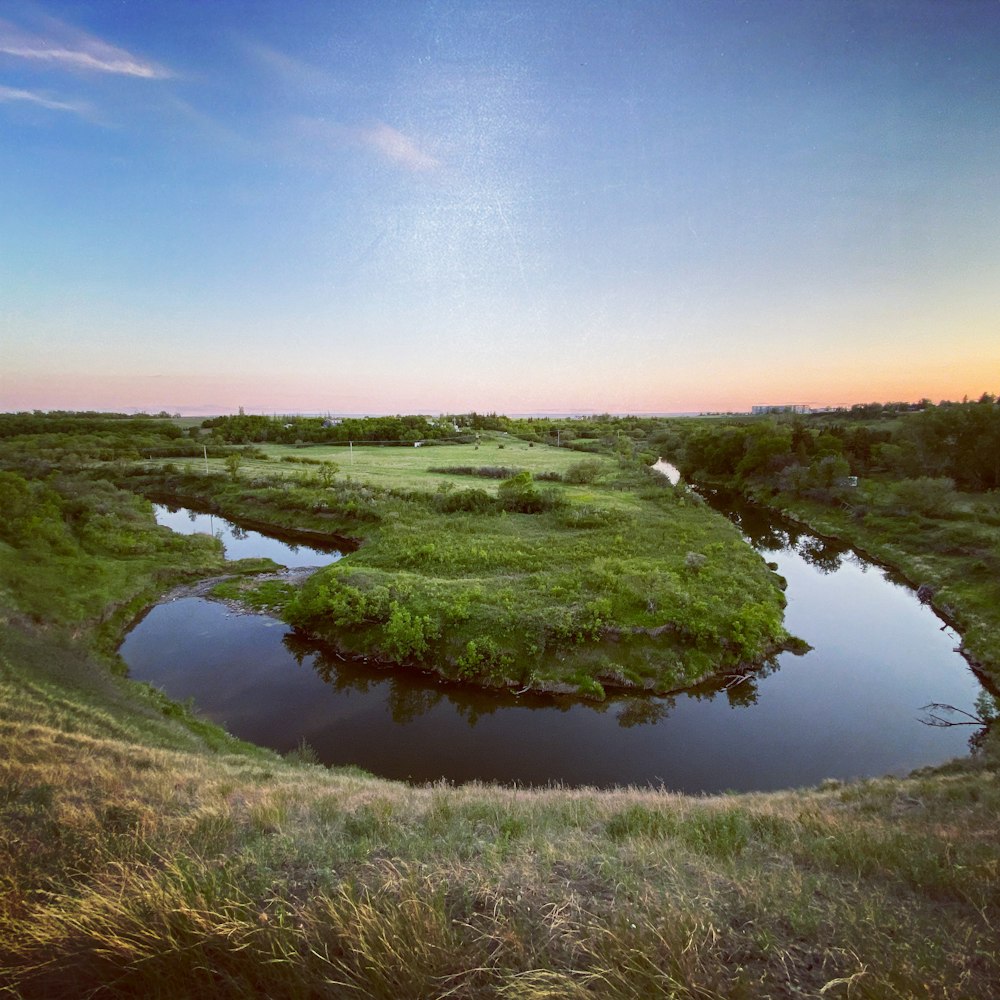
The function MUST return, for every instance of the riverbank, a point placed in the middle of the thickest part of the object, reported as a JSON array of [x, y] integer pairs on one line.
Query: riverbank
[[914, 487], [931, 556]]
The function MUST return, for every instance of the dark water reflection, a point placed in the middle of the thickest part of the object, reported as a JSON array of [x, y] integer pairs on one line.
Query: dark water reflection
[[848, 708], [244, 543], [272, 687]]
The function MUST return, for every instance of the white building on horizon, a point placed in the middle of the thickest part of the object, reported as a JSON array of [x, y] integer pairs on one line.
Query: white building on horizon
[[780, 408]]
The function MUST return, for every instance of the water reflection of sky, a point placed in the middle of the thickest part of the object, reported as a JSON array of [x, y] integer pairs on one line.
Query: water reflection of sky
[[241, 543], [848, 708]]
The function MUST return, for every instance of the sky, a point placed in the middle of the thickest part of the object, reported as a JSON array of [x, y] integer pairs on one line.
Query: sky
[[528, 206]]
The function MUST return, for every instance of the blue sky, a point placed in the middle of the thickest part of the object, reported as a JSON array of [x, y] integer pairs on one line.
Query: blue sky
[[514, 206]]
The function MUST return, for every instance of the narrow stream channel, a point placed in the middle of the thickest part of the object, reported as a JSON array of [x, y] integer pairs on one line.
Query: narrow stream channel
[[849, 708]]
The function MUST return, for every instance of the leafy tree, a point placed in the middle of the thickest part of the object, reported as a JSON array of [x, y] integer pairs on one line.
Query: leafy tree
[[584, 471], [713, 451], [767, 448]]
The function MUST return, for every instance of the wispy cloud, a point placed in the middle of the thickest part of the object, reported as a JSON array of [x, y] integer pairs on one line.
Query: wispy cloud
[[10, 94], [399, 149], [294, 74], [307, 80], [66, 47], [318, 135]]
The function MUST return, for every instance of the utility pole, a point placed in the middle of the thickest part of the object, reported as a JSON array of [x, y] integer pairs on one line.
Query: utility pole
[[350, 446], [204, 448]]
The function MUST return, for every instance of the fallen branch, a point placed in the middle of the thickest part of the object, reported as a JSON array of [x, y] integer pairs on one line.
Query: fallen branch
[[940, 722]]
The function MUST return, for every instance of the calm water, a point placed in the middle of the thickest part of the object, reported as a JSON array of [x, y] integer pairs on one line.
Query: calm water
[[244, 543], [849, 708]]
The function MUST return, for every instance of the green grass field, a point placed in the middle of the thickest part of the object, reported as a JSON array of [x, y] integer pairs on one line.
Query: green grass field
[[397, 467]]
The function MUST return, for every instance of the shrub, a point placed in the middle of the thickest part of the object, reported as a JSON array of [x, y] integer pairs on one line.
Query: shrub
[[928, 496], [326, 472], [483, 658], [302, 754], [474, 501], [519, 495], [484, 471], [694, 561], [408, 635], [337, 602], [31, 513], [591, 517]]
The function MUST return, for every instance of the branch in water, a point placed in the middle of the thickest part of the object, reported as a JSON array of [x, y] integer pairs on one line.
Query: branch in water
[[939, 721]]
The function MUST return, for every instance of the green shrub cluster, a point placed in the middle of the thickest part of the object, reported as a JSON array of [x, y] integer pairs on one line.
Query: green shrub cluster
[[520, 495], [483, 471], [474, 501], [73, 547]]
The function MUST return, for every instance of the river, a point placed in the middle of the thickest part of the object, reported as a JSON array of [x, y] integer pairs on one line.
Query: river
[[245, 543], [849, 708]]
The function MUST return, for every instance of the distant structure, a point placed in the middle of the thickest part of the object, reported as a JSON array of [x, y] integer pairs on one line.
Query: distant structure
[[782, 408]]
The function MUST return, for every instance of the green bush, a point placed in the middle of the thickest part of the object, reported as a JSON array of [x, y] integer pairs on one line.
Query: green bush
[[932, 497], [519, 495], [474, 501], [483, 658], [584, 471], [408, 635], [32, 513]]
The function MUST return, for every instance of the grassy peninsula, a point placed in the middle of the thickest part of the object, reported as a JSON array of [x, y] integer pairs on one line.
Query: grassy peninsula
[[501, 562], [549, 572], [146, 852]]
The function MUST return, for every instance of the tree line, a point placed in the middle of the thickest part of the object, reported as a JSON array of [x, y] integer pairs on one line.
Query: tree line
[[816, 455]]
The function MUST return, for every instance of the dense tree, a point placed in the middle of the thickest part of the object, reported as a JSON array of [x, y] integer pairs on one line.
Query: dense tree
[[814, 454]]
